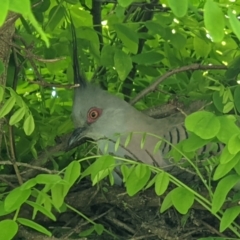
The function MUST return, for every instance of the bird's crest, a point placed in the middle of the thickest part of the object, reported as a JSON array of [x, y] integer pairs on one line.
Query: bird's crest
[[78, 78]]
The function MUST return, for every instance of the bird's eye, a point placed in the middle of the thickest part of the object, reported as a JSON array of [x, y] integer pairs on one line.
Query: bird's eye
[[93, 114]]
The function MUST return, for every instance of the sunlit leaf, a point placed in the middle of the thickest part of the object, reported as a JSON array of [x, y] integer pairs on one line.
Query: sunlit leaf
[[234, 22], [228, 217], [71, 174], [127, 36], [16, 198], [182, 199], [29, 125], [122, 63], [7, 107], [212, 11], [179, 8], [17, 116], [33, 225], [223, 188], [204, 124], [161, 183], [8, 228]]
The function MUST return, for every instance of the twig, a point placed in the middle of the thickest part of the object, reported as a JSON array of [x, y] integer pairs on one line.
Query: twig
[[28, 166], [192, 67], [46, 84], [7, 182], [211, 228], [13, 155]]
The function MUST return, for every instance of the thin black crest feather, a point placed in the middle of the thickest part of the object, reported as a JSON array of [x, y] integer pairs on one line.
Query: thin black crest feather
[[78, 78]]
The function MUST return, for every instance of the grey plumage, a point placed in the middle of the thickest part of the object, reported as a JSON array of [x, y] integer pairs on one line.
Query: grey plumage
[[118, 117], [98, 115]]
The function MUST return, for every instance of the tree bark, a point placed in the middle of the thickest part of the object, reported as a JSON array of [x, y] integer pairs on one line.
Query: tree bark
[[6, 33]]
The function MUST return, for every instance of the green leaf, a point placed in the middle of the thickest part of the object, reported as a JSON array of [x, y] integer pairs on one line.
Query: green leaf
[[194, 143], [216, 28], [9, 228], [87, 232], [125, 170], [122, 63], [56, 15], [33, 225], [7, 107], [72, 173], [223, 169], [57, 195], [40, 208], [236, 96], [228, 107], [143, 140], [17, 116], [148, 58], [234, 144], [73, 2], [182, 199], [217, 100], [201, 47], [124, 3], [16, 198], [157, 146], [135, 183], [204, 124], [179, 8], [107, 56], [1, 91], [100, 168], [141, 170], [29, 125], [227, 128], [28, 184], [3, 13], [223, 188], [226, 156], [234, 22], [178, 40], [117, 143], [127, 36], [161, 183], [99, 228], [167, 203], [150, 183], [228, 217], [24, 7], [233, 69], [47, 179], [128, 139]]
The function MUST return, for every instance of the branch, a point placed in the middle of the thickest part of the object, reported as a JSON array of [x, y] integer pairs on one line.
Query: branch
[[29, 166], [46, 84], [192, 67], [146, 15]]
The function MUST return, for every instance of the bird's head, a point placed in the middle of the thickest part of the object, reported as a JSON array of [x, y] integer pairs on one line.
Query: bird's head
[[97, 114]]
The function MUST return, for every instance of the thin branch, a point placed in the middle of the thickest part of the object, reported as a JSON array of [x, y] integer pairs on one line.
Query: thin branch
[[13, 155], [30, 53], [29, 166], [46, 84], [192, 67], [144, 16]]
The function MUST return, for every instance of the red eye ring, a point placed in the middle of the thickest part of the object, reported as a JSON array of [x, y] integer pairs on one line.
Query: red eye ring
[[93, 114]]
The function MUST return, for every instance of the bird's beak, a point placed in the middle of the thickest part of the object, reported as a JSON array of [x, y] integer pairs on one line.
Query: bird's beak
[[77, 138]]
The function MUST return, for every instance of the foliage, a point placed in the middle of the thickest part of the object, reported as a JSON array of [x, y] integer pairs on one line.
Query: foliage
[[139, 41]]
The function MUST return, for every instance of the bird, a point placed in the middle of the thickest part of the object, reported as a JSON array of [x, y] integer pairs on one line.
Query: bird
[[107, 119]]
